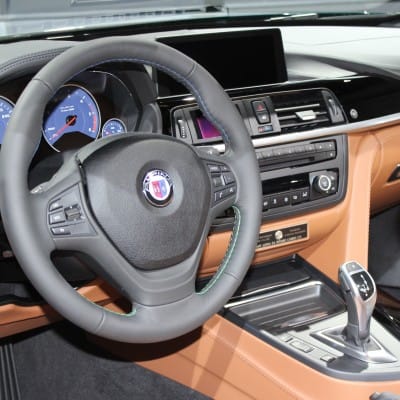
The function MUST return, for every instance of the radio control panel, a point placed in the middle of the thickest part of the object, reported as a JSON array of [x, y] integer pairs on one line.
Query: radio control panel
[[303, 176], [300, 177]]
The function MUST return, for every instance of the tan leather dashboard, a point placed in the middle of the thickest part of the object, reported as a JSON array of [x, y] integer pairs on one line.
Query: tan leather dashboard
[[336, 234]]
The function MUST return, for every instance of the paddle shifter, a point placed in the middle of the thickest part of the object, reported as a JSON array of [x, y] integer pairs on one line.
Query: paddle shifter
[[360, 294]]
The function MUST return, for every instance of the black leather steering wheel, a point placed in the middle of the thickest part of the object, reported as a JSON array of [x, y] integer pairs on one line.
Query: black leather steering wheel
[[140, 205]]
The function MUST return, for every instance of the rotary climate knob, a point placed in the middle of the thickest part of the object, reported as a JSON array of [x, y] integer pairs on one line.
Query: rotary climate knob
[[323, 183]]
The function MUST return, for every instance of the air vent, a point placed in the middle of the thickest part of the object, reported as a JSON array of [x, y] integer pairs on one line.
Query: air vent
[[305, 110]]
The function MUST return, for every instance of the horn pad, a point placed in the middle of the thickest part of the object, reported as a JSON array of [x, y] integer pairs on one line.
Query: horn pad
[[151, 196]]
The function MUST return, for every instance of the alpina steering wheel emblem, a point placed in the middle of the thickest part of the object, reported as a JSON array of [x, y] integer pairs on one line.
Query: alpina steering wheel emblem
[[158, 187]]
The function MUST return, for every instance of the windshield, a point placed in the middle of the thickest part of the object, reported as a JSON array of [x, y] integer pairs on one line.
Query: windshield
[[21, 17]]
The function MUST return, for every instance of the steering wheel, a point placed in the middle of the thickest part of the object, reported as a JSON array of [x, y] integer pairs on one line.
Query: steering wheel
[[140, 205]]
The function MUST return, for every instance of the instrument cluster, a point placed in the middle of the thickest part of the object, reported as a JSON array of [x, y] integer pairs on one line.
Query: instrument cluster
[[93, 105]]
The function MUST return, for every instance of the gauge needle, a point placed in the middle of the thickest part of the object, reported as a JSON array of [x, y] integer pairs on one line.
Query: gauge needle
[[62, 129]]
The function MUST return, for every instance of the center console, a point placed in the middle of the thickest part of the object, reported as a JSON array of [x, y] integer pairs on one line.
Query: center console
[[292, 306]]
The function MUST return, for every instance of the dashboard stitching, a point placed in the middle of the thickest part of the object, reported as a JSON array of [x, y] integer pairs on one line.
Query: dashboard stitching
[[29, 58]]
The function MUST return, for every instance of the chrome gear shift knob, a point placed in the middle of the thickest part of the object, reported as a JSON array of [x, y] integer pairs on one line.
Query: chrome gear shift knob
[[360, 294]]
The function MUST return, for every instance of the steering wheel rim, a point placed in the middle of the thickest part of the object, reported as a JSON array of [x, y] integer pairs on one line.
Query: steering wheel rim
[[160, 314]]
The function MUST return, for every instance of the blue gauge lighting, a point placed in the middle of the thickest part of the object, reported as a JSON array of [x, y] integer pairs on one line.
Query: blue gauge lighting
[[6, 109], [72, 111], [113, 126]]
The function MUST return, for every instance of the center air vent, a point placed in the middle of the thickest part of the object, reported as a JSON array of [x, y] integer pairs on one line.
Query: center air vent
[[308, 109]]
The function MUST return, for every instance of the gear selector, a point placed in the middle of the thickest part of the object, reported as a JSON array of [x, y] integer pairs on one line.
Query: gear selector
[[355, 339], [360, 294]]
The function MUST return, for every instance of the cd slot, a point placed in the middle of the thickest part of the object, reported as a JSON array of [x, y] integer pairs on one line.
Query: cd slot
[[285, 184]]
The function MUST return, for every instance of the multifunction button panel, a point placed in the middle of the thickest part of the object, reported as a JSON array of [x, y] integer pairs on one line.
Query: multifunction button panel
[[223, 181], [66, 217]]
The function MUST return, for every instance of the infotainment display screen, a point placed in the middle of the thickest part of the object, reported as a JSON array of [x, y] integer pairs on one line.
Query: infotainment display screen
[[236, 59], [206, 130]]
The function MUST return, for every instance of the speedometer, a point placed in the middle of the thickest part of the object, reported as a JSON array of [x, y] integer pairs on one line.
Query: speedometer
[[71, 119], [6, 108]]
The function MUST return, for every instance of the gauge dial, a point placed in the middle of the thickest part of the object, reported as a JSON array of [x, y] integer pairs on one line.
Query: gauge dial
[[6, 108], [113, 126], [71, 119]]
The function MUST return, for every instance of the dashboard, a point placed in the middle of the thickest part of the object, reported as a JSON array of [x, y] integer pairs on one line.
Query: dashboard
[[308, 100], [321, 105]]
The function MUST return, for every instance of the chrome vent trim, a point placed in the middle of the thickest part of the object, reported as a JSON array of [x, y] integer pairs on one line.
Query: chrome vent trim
[[301, 110]]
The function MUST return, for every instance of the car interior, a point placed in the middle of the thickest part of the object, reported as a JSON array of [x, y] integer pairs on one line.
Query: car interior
[[200, 207]]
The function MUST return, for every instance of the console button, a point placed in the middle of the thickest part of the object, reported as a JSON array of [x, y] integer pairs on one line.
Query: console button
[[55, 205], [286, 151], [277, 152], [259, 106], [331, 154], [57, 217], [218, 195], [285, 337], [304, 194], [228, 178], [182, 128], [263, 117], [299, 149], [217, 181], [265, 129], [291, 150], [301, 346], [230, 191], [268, 153], [327, 358], [274, 201], [60, 230], [330, 145], [224, 168], [295, 197], [266, 202], [284, 199], [213, 168], [319, 146], [326, 146], [309, 148]]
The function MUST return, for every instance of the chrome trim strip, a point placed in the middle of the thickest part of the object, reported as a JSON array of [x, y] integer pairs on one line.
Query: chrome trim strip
[[354, 127], [297, 107], [273, 294]]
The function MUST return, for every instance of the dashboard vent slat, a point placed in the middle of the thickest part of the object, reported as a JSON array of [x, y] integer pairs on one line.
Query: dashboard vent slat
[[304, 110]]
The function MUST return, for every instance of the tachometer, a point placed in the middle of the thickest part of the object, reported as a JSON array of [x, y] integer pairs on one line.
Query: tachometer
[[6, 108], [71, 119], [113, 126]]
